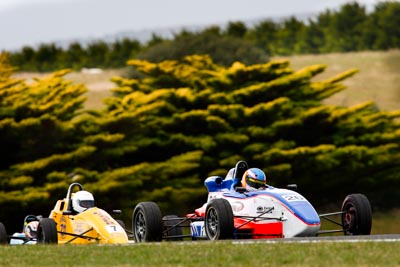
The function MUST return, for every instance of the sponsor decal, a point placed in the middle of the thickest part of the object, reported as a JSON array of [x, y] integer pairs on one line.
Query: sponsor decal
[[80, 227], [197, 229], [261, 209], [237, 206], [63, 226], [290, 198], [105, 217]]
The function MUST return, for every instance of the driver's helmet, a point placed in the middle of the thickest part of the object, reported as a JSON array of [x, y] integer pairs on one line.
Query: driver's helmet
[[82, 200], [254, 179], [30, 229]]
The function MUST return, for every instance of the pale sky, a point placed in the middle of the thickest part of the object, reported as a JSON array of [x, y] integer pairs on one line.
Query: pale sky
[[30, 22]]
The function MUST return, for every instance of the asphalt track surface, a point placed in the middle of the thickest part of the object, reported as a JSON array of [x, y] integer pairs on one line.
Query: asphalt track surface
[[322, 239]]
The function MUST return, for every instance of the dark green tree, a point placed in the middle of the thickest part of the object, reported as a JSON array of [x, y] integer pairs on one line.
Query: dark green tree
[[122, 50], [98, 54], [25, 59], [288, 36], [311, 39], [155, 39], [236, 29], [223, 49], [347, 26], [75, 56], [46, 57], [264, 35], [383, 26]]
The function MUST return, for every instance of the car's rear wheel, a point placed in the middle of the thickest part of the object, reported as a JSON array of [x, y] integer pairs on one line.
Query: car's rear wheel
[[172, 231], [3, 234], [147, 222], [357, 215], [219, 220], [47, 232]]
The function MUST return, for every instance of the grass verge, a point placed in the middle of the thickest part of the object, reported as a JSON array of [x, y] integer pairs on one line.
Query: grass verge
[[204, 253]]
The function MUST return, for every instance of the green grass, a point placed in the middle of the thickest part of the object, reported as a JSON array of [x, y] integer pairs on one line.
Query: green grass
[[204, 253], [386, 222]]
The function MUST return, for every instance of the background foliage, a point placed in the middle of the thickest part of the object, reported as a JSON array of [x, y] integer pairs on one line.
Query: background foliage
[[350, 28]]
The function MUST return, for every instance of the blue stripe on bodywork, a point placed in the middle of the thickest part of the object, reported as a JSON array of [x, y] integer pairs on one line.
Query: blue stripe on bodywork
[[302, 209]]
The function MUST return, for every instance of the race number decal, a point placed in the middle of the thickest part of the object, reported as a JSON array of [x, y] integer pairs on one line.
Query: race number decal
[[290, 198], [113, 228]]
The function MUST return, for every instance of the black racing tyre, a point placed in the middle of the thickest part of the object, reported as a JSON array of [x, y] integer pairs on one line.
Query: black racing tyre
[[147, 222], [47, 232], [3, 234], [169, 228], [219, 220], [357, 215]]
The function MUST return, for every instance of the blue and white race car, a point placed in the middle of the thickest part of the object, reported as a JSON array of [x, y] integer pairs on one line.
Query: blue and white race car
[[232, 211]]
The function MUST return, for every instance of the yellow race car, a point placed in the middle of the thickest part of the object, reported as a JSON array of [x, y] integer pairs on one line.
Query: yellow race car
[[76, 220]]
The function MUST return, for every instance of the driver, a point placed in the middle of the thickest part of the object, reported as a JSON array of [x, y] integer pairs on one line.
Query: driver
[[254, 179], [82, 200], [30, 229]]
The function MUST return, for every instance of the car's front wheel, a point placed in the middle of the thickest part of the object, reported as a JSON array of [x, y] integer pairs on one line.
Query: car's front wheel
[[47, 232], [147, 222], [219, 220], [357, 215]]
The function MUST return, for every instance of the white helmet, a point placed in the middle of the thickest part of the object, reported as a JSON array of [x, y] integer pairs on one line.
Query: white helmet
[[82, 200], [30, 229]]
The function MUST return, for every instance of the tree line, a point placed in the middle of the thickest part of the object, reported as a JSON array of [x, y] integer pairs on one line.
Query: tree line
[[350, 28]]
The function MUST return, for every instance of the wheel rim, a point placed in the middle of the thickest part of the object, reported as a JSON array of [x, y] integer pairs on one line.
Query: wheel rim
[[349, 219], [140, 227], [212, 223]]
